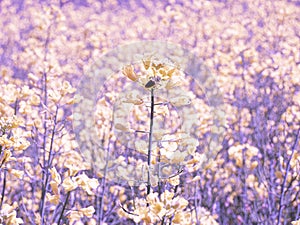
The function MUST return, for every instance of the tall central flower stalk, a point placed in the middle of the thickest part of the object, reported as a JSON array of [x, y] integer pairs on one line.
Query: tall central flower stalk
[[150, 141], [156, 75], [166, 151]]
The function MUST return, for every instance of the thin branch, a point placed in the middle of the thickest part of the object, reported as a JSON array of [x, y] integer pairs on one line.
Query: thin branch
[[3, 189], [285, 178], [5, 171], [125, 210], [64, 207], [101, 211], [45, 102], [47, 167]]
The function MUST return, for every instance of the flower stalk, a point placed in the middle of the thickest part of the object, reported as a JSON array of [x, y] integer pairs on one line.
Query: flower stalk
[[64, 207], [150, 141]]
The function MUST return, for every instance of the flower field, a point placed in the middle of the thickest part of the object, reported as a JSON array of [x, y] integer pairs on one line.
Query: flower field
[[150, 112]]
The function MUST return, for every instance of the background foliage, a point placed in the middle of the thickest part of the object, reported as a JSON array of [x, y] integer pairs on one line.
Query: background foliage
[[252, 47]]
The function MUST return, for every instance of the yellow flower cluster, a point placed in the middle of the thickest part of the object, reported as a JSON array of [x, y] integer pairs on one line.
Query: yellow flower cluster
[[8, 123], [296, 222], [8, 215], [163, 207], [69, 184], [83, 181], [156, 74], [76, 215], [236, 153], [17, 143], [167, 207], [204, 216]]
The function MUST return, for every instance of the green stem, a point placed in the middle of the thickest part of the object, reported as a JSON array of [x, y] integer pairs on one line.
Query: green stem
[[103, 188], [3, 189], [45, 92], [281, 200], [5, 170], [150, 141], [47, 167], [64, 207]]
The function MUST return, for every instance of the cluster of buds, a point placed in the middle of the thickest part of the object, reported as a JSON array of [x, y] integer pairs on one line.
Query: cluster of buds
[[157, 74]]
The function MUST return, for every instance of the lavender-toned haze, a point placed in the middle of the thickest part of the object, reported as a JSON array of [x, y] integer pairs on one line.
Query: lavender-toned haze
[[149, 112]]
